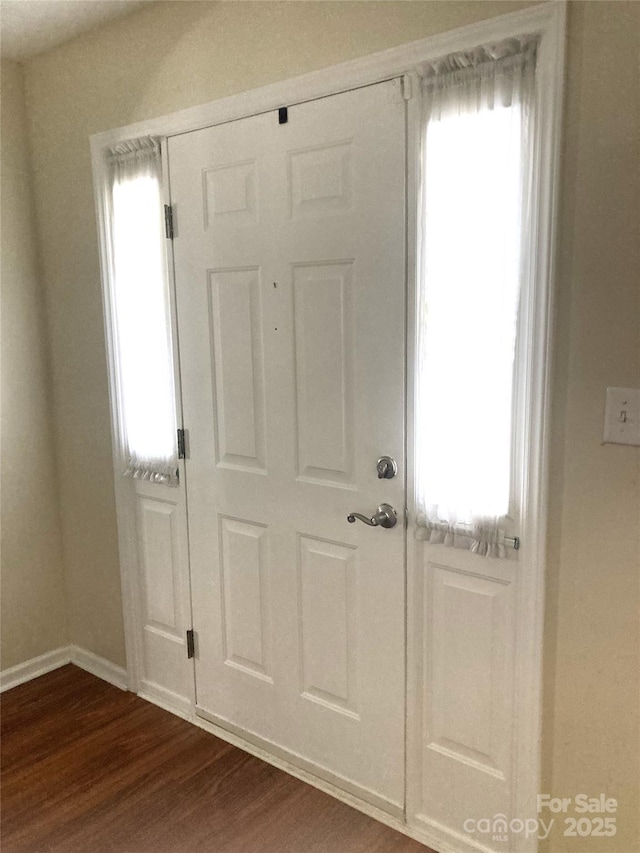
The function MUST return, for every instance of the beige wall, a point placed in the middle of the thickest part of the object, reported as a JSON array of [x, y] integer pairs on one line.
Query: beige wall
[[173, 55], [592, 655], [33, 612]]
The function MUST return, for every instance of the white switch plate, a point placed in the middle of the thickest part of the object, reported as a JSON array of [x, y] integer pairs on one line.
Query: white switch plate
[[622, 416]]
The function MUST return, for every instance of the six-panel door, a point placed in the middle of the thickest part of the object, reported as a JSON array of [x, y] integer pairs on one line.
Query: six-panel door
[[289, 268]]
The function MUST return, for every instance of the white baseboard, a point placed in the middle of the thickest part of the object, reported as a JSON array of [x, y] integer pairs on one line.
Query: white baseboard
[[96, 665], [29, 669], [99, 666], [166, 699]]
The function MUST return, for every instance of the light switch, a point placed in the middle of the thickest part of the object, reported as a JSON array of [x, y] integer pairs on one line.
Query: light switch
[[622, 416]]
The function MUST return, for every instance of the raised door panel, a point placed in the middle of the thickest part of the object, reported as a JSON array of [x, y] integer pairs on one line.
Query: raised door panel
[[245, 590], [161, 525], [320, 180], [466, 702], [159, 557], [324, 371], [238, 367], [464, 730], [230, 195], [328, 614]]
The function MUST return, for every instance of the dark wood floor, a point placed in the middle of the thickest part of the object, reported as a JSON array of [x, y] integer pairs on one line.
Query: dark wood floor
[[88, 768]]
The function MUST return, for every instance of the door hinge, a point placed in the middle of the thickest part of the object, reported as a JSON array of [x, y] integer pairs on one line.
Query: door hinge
[[182, 445], [168, 221], [283, 115], [191, 643]]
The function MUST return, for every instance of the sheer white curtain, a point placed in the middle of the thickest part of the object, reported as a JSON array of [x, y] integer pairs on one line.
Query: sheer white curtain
[[141, 312], [476, 162]]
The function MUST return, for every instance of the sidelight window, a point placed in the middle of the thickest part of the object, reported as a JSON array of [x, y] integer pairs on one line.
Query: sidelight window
[[141, 313], [478, 112]]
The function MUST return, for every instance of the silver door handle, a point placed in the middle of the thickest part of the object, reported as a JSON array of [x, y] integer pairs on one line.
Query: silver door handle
[[385, 516]]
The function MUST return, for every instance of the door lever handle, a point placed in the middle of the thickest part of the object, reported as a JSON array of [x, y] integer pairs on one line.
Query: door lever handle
[[385, 516]]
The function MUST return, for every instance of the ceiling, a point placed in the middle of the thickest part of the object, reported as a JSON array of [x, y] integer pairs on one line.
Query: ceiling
[[29, 27]]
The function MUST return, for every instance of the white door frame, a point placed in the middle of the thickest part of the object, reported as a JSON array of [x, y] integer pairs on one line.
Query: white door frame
[[549, 21]]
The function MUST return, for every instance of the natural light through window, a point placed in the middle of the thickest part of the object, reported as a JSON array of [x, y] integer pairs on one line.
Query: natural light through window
[[471, 285], [473, 233], [141, 306]]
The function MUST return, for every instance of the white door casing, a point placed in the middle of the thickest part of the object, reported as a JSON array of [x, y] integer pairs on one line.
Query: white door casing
[[290, 282], [425, 819]]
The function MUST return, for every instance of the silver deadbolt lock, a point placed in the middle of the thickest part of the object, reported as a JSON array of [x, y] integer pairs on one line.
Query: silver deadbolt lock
[[386, 468]]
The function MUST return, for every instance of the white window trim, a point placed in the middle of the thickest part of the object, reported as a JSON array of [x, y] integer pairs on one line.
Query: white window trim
[[549, 20]]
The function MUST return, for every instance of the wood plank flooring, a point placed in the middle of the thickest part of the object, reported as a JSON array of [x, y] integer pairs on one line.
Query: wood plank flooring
[[88, 768]]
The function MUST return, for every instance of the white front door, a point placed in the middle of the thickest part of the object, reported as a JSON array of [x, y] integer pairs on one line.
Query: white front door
[[290, 277]]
